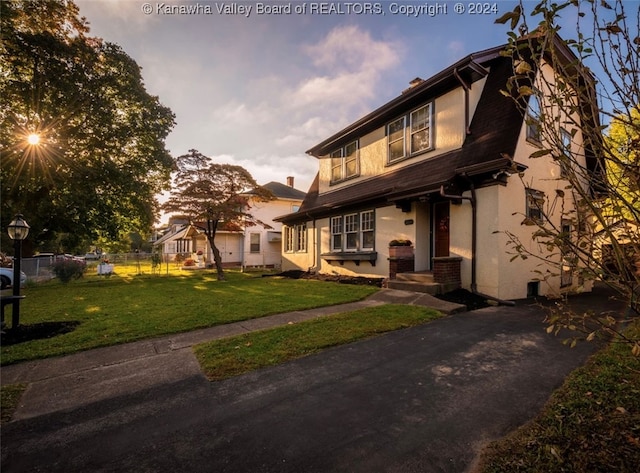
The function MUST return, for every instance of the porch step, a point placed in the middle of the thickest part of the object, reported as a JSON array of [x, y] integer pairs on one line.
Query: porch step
[[432, 288], [424, 277]]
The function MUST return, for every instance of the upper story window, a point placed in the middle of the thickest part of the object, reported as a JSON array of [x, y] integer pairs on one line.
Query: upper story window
[[345, 162], [421, 129], [566, 159], [535, 206], [410, 134], [533, 118]]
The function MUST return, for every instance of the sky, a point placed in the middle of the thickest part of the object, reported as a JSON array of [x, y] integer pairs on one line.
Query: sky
[[257, 88]]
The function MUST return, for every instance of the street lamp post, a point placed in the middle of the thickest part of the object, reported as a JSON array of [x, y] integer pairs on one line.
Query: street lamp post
[[18, 230]]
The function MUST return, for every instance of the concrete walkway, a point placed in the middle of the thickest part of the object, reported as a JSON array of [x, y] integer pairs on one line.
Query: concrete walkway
[[68, 382]]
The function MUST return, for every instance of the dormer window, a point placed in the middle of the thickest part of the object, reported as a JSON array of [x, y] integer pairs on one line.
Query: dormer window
[[345, 162], [410, 134]]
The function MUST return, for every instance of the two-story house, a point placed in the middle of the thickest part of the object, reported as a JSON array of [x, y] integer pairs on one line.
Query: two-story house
[[262, 241], [446, 165]]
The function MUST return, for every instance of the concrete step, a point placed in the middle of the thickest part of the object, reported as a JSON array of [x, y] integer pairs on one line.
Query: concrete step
[[416, 286], [422, 277]]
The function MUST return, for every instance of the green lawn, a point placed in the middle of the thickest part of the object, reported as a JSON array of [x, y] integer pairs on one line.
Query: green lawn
[[221, 359], [126, 307]]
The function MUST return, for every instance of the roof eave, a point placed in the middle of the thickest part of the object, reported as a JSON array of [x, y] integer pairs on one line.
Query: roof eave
[[471, 65]]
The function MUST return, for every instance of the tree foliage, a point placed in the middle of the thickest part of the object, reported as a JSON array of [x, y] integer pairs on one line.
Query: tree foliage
[[589, 123], [214, 196], [101, 158]]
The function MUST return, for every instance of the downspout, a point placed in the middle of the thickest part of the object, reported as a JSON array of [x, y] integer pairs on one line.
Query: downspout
[[474, 240], [315, 249]]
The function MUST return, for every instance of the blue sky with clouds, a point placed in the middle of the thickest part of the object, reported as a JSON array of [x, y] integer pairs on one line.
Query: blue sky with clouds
[[258, 91]]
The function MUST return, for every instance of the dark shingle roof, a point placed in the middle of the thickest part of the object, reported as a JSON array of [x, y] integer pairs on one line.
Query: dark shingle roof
[[494, 134], [283, 191]]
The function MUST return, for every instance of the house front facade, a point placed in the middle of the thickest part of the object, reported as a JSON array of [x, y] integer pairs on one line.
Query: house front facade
[[446, 165]]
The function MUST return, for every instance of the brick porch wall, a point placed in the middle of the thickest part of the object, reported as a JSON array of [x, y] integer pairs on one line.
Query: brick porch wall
[[446, 270], [401, 265]]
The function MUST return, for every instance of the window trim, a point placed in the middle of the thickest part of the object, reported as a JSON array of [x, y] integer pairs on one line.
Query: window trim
[[408, 133], [428, 127], [340, 227], [534, 213], [254, 247], [533, 122], [295, 238], [339, 161], [566, 160], [402, 138]]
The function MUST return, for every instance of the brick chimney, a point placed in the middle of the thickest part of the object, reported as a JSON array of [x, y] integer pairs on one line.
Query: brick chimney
[[290, 181]]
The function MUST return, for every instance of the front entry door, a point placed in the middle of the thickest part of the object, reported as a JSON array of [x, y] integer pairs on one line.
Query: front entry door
[[441, 229]]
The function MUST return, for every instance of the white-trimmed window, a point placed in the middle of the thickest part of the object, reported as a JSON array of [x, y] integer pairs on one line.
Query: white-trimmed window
[[534, 117], [566, 159], [535, 205], [353, 232], [421, 129], [295, 238], [410, 134], [301, 237], [336, 166], [254, 243], [336, 233], [396, 137], [367, 228], [345, 162]]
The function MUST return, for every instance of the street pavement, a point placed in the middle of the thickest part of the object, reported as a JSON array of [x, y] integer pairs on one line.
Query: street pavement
[[423, 399]]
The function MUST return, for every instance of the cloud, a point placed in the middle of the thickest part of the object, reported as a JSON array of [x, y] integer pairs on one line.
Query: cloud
[[124, 12], [355, 63], [351, 48]]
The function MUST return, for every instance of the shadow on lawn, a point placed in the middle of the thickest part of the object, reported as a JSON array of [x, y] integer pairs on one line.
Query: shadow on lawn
[[26, 333]]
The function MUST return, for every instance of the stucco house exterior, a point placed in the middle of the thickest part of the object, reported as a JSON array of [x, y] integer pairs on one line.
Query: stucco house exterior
[[262, 242], [256, 245], [446, 165]]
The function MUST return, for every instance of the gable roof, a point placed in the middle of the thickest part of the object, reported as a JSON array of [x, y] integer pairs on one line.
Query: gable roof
[[493, 136], [283, 191]]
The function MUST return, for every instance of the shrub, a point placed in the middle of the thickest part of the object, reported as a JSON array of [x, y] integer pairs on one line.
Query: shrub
[[66, 270], [400, 243]]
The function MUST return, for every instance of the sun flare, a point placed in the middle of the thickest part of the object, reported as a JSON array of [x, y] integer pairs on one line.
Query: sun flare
[[33, 139]]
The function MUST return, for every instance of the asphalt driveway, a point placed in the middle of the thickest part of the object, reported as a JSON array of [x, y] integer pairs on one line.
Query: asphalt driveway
[[423, 399]]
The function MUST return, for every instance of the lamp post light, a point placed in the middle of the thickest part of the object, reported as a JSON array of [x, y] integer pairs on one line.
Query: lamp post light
[[18, 230]]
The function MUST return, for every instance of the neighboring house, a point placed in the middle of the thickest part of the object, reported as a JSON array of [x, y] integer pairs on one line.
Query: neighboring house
[[183, 240], [255, 246], [438, 166], [263, 241]]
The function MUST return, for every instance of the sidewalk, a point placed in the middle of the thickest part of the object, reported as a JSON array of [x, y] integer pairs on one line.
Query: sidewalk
[[61, 383]]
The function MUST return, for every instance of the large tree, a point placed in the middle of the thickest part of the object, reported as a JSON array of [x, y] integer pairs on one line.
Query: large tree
[[587, 118], [214, 196], [82, 141]]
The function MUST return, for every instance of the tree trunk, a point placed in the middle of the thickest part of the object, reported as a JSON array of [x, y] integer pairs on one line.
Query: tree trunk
[[212, 225], [218, 260]]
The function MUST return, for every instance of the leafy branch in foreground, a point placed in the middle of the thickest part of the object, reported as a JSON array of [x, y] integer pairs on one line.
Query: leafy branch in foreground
[[586, 117]]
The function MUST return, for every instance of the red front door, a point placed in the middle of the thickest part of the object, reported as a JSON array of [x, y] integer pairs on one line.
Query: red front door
[[441, 229]]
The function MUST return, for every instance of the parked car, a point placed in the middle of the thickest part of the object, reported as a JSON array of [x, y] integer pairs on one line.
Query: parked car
[[6, 277]]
